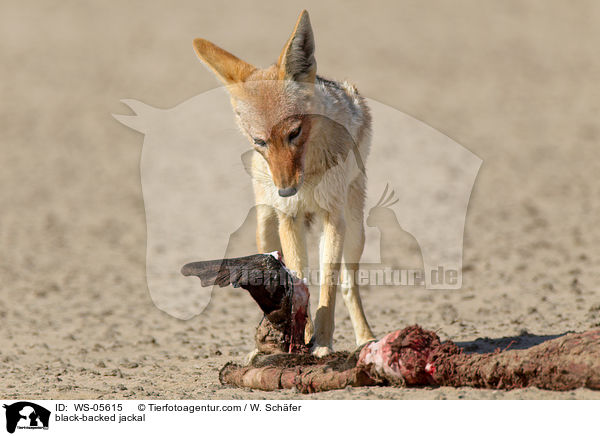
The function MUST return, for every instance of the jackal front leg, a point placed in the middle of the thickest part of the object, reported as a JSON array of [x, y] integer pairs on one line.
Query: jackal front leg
[[267, 233], [292, 234], [332, 249]]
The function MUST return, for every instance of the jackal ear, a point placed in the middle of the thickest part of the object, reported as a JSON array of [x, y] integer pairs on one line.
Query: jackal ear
[[227, 67], [297, 59]]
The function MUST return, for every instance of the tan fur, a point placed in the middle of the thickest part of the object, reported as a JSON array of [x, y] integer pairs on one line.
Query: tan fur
[[324, 162], [226, 66]]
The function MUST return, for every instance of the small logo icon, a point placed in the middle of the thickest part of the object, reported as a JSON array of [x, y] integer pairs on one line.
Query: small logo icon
[[26, 415]]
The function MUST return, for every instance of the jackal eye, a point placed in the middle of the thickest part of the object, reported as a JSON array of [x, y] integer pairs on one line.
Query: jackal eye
[[260, 142], [294, 133]]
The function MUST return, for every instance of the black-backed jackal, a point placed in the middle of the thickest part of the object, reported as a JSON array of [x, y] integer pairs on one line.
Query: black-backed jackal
[[311, 137]]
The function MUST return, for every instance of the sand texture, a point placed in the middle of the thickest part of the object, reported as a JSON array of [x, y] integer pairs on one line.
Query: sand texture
[[515, 82]]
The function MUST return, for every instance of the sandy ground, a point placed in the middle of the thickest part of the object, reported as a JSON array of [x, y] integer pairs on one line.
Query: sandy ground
[[514, 82]]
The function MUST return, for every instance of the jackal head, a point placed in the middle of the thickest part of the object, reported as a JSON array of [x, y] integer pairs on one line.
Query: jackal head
[[271, 105]]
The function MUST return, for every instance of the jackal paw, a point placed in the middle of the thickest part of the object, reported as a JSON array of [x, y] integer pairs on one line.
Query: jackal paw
[[364, 339], [321, 350]]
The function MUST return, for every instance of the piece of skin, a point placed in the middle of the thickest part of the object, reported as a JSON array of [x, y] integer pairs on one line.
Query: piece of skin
[[280, 294], [414, 356]]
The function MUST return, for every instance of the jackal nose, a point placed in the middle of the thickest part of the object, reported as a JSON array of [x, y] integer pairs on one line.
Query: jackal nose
[[288, 192]]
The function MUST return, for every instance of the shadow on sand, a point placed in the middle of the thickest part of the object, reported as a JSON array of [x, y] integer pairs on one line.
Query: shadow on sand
[[521, 342]]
